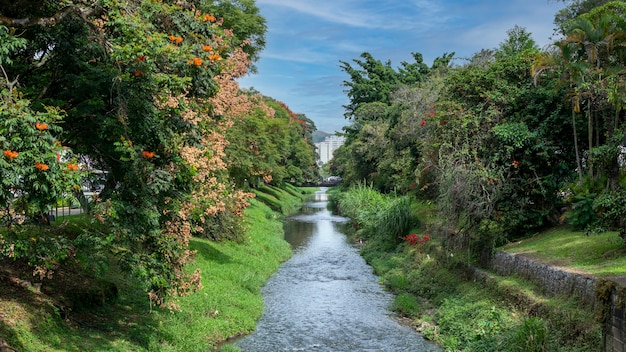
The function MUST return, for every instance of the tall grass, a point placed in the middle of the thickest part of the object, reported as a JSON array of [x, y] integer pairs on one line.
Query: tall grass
[[395, 220], [382, 218], [361, 203]]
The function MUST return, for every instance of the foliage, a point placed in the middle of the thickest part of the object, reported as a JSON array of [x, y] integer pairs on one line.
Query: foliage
[[382, 220], [229, 304], [243, 17], [361, 204], [532, 335], [273, 145], [146, 94], [611, 209], [497, 313], [394, 220]]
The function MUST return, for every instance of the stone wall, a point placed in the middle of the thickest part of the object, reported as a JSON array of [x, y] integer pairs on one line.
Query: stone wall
[[605, 296], [554, 281], [611, 299]]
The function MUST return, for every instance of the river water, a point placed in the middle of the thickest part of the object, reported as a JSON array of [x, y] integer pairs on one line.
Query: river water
[[325, 297]]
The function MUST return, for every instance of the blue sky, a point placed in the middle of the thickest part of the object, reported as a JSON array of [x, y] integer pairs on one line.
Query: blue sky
[[307, 39]]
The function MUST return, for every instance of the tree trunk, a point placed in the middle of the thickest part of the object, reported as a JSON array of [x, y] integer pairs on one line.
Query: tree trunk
[[579, 168]]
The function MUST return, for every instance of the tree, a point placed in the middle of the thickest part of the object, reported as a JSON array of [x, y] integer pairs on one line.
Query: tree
[[244, 19], [138, 82]]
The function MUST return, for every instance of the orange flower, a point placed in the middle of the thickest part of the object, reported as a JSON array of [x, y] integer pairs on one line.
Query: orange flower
[[138, 73], [197, 61], [42, 167], [72, 167], [215, 57], [11, 154], [207, 48], [209, 18], [41, 126], [172, 38], [147, 154], [179, 40], [140, 58]]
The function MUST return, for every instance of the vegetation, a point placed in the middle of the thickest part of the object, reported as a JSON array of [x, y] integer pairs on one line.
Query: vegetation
[[490, 151], [62, 314], [141, 98], [435, 297], [508, 143], [601, 255]]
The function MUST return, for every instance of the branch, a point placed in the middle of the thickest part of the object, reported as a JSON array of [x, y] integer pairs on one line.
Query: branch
[[83, 13]]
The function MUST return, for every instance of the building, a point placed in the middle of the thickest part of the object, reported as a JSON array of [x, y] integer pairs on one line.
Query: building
[[326, 148]]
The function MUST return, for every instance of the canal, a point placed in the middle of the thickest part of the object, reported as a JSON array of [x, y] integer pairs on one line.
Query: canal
[[326, 298]]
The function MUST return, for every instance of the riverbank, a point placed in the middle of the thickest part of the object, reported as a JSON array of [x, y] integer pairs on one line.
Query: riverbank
[[440, 293], [229, 304]]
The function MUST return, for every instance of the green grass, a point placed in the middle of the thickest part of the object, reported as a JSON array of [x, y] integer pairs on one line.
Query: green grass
[[229, 304], [596, 254], [284, 201]]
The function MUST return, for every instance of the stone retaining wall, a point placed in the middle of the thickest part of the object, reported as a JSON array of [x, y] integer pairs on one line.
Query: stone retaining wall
[[606, 296], [555, 281]]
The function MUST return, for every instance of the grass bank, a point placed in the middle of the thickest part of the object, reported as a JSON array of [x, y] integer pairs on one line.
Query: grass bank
[[437, 296], [34, 318], [600, 255]]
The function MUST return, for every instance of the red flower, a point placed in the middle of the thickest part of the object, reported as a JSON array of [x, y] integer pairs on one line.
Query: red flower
[[515, 163], [148, 155], [415, 239], [412, 239], [423, 123], [41, 126], [141, 58]]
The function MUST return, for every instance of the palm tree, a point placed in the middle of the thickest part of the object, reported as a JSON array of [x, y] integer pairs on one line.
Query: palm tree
[[559, 60]]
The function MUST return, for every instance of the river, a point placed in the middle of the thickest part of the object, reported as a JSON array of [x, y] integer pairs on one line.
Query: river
[[325, 297]]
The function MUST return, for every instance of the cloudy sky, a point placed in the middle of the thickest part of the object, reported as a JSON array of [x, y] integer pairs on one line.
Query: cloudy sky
[[307, 39]]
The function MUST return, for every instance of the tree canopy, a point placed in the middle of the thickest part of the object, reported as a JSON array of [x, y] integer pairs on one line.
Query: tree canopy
[[141, 94], [505, 141]]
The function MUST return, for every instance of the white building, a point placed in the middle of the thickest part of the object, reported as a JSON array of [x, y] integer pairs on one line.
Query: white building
[[326, 148]]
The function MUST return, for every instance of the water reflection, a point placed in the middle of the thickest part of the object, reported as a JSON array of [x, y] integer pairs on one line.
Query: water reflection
[[326, 298]]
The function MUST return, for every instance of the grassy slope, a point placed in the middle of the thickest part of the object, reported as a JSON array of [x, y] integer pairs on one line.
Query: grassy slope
[[228, 305], [596, 254]]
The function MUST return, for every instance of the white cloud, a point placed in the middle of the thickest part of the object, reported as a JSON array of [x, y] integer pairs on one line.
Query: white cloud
[[307, 39], [386, 15]]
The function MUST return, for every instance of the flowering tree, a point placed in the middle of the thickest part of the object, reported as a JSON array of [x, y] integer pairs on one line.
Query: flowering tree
[[145, 90]]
